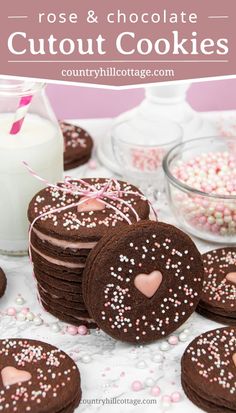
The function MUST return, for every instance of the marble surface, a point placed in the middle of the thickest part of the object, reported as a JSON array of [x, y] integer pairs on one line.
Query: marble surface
[[108, 367]]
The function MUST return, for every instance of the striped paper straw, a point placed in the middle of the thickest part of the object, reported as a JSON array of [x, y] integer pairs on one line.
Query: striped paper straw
[[20, 114]]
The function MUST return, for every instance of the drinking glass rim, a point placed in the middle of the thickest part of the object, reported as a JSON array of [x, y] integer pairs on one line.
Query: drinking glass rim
[[15, 87]]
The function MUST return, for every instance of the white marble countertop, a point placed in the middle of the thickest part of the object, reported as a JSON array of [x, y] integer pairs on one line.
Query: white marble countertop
[[107, 367]]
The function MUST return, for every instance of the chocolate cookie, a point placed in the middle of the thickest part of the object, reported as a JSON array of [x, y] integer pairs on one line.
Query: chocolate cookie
[[77, 321], [218, 299], [78, 145], [208, 371], [37, 377], [61, 239], [3, 283], [81, 226], [142, 282], [60, 294]]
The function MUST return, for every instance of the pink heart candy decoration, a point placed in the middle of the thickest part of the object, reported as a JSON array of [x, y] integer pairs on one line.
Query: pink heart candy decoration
[[11, 375], [90, 205], [234, 359], [148, 284], [231, 276]]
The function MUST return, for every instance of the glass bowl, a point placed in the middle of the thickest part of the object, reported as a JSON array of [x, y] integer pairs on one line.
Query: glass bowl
[[139, 146], [205, 214]]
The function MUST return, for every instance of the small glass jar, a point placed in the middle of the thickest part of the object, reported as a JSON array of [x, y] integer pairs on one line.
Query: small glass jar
[[38, 142], [139, 145]]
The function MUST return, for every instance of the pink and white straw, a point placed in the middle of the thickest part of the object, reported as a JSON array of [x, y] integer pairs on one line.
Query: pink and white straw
[[20, 114]]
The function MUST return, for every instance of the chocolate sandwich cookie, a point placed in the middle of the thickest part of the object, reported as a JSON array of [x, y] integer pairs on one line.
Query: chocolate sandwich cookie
[[68, 221], [71, 287], [67, 254], [3, 282], [60, 294], [73, 312], [142, 282], [60, 272], [81, 226], [51, 298], [208, 371], [77, 321], [78, 145], [37, 377], [218, 299]]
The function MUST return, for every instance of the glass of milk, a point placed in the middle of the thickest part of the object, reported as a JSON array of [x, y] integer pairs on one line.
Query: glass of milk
[[40, 143]]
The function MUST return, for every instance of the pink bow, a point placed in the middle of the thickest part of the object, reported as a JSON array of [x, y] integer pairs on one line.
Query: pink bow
[[111, 190]]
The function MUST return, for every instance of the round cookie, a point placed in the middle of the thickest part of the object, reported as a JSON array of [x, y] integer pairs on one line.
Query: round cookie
[[208, 371], [37, 377], [78, 145], [143, 281], [84, 225], [218, 299], [3, 283]]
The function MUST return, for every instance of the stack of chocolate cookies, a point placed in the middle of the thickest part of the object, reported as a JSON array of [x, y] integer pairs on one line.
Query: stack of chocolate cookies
[[78, 145], [218, 300], [66, 224]]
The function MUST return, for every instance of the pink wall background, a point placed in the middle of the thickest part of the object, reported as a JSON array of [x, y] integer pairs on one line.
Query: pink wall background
[[83, 102]]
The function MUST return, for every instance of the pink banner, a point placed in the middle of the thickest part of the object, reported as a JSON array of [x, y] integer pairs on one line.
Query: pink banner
[[118, 43]]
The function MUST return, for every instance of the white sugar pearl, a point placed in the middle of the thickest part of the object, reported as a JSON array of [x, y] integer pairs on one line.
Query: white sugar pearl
[[20, 300], [157, 358], [30, 316], [183, 337], [21, 317], [141, 364], [149, 382], [164, 346], [86, 358], [38, 321], [165, 405], [55, 328]]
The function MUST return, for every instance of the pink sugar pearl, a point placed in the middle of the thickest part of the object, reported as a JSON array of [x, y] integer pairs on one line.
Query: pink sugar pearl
[[175, 397], [11, 311], [173, 340], [24, 310], [82, 330], [166, 398], [72, 330], [92, 164], [137, 385], [155, 391]]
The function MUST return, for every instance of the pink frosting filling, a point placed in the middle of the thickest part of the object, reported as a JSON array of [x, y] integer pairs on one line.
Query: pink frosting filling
[[58, 262], [63, 243]]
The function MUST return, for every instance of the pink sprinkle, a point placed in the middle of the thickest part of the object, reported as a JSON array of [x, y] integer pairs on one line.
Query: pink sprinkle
[[25, 310], [82, 330], [11, 311], [166, 398], [173, 340], [75, 357], [72, 330], [92, 164], [175, 397], [155, 391], [136, 385]]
